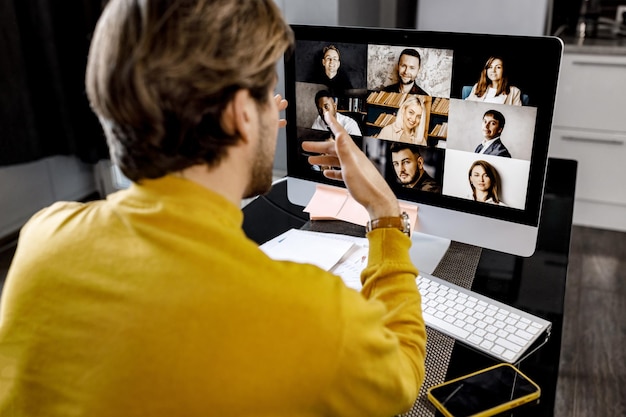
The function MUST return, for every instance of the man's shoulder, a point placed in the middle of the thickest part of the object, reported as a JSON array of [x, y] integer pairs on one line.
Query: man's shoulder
[[498, 144], [498, 149], [57, 212], [391, 87], [428, 183], [318, 124], [416, 89], [58, 226]]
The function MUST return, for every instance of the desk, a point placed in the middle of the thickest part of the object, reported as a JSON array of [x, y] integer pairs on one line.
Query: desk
[[535, 284]]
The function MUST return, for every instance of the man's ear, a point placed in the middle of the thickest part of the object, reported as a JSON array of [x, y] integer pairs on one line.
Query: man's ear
[[239, 116]]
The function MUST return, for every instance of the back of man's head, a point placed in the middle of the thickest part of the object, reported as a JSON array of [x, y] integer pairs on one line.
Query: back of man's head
[[160, 74]]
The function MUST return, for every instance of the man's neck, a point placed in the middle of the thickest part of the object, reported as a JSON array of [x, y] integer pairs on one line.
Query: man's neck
[[406, 88], [219, 179]]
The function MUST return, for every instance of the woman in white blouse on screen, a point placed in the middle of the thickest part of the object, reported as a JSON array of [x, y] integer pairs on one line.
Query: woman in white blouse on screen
[[493, 85]]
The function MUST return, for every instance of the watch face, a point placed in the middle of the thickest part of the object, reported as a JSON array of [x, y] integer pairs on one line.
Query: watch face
[[406, 223]]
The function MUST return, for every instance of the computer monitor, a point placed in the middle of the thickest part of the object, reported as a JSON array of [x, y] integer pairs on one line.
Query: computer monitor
[[489, 199]]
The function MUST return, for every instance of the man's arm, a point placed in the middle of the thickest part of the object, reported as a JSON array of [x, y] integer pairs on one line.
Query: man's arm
[[382, 364]]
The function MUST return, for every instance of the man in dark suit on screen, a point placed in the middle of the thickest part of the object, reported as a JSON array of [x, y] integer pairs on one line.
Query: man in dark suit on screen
[[493, 124]]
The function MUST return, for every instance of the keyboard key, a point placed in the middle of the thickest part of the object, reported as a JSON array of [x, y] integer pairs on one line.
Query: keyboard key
[[497, 349], [435, 322], [532, 330], [521, 325], [524, 335], [491, 336], [459, 323], [486, 344], [516, 339], [502, 333], [509, 345], [472, 329], [510, 320]]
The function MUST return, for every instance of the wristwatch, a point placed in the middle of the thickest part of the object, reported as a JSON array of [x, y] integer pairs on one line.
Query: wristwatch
[[400, 222]]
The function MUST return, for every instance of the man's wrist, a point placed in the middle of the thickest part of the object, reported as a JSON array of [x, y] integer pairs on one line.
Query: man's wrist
[[400, 222]]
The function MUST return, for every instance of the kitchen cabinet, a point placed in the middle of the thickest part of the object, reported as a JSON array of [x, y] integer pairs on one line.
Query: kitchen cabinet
[[589, 126]]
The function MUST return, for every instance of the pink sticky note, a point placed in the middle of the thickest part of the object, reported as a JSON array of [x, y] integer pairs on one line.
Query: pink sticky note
[[326, 202], [332, 203]]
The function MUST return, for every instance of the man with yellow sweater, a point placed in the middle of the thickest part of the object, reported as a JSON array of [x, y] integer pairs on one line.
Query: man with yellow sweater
[[153, 302]]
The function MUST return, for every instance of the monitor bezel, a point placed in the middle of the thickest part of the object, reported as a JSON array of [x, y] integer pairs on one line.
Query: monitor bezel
[[546, 50]]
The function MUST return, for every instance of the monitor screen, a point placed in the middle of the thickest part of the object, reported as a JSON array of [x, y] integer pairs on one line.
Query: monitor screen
[[458, 124]]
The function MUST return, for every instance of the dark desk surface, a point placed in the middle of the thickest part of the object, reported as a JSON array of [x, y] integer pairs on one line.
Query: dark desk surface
[[535, 284]]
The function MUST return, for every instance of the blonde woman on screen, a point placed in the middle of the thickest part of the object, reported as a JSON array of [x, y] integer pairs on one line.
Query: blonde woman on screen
[[493, 85], [408, 126]]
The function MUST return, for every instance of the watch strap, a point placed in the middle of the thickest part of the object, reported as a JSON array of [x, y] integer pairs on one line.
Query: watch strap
[[394, 222]]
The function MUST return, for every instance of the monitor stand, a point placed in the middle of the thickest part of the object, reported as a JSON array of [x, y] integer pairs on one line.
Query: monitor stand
[[427, 251]]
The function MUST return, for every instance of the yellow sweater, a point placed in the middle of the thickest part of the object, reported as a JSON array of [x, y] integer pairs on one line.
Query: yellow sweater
[[155, 303]]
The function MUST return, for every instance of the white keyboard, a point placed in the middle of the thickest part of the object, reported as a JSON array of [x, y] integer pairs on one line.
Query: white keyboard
[[483, 323]]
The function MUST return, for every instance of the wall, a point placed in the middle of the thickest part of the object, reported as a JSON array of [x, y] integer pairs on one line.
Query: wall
[[26, 188], [512, 17]]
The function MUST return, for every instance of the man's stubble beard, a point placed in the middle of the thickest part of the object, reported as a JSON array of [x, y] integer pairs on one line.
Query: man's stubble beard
[[261, 174]]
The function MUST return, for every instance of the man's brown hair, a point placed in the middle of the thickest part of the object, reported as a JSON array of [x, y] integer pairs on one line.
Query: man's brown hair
[[160, 73]]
